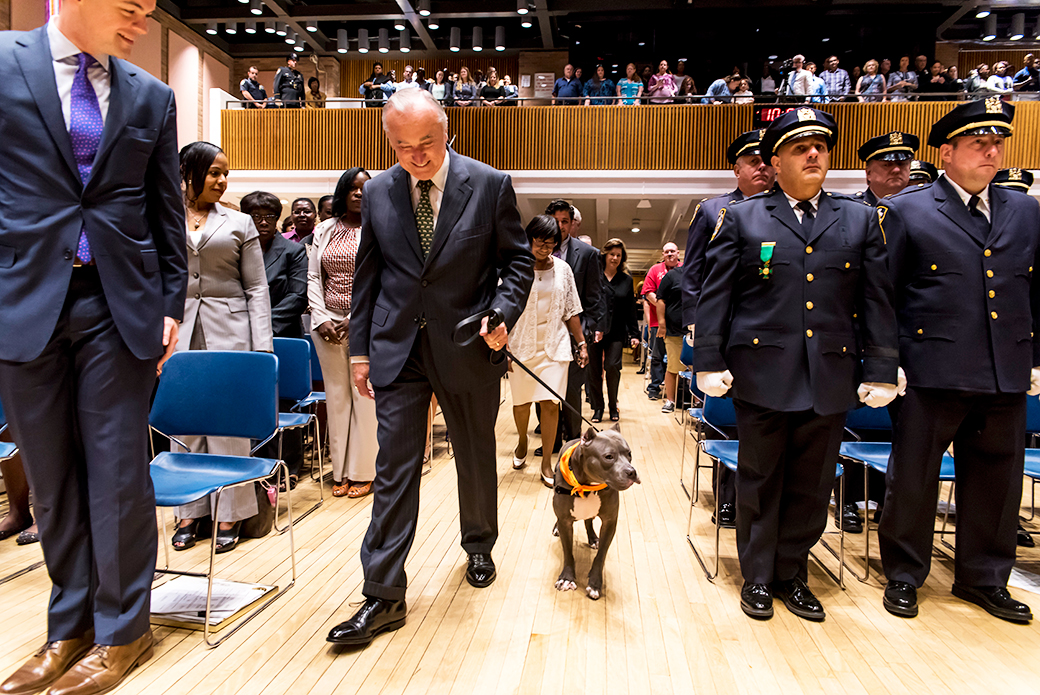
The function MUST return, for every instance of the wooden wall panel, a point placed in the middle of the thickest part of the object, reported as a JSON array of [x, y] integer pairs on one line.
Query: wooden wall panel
[[355, 72], [577, 138]]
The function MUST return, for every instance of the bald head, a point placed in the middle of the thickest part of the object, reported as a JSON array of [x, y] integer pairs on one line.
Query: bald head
[[417, 128], [670, 255]]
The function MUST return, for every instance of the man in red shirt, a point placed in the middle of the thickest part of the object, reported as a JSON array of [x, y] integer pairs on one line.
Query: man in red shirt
[[670, 256]]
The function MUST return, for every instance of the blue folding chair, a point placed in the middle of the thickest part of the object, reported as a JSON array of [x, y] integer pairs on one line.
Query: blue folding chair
[[295, 384], [311, 402], [7, 449], [718, 413], [692, 421], [1032, 467], [217, 394], [684, 383]]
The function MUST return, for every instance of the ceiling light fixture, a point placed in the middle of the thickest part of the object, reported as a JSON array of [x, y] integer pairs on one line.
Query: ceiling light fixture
[[424, 8], [342, 41], [456, 39], [251, 26], [478, 39], [362, 41], [256, 7], [525, 23], [406, 41], [500, 38], [231, 28], [433, 24], [982, 13], [643, 204], [990, 31], [281, 28], [635, 225], [311, 25], [399, 24], [521, 7], [211, 28], [1018, 26], [384, 40]]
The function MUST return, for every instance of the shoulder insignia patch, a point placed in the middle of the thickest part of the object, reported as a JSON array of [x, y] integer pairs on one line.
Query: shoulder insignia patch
[[695, 211], [718, 225]]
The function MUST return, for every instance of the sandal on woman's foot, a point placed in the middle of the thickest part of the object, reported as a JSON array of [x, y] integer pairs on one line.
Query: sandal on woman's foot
[[227, 539], [340, 489], [28, 537], [597, 415], [293, 479], [15, 530], [614, 414], [185, 536], [359, 490], [547, 480], [519, 461]]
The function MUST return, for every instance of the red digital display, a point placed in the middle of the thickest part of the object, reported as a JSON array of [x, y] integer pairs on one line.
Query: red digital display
[[766, 114]]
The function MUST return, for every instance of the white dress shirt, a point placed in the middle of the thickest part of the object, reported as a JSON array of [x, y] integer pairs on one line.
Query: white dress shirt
[[983, 205], [798, 212], [436, 190], [65, 63]]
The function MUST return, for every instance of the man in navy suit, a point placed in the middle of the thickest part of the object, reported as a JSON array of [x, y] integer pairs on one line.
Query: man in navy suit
[[92, 283], [792, 278], [441, 241], [962, 253]]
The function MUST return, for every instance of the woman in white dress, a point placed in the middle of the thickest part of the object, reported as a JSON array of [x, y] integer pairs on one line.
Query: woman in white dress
[[540, 340]]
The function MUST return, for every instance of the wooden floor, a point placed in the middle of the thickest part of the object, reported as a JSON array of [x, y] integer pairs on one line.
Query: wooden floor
[[660, 627]]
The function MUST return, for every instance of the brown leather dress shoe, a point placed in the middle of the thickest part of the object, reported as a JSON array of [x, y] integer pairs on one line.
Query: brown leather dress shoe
[[48, 665], [104, 668]]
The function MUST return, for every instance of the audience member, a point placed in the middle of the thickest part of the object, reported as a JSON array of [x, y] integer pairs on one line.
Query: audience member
[[744, 95], [465, 88], [645, 74], [871, 85], [680, 74], [579, 78], [315, 98], [954, 84], [721, 90], [669, 313], [511, 91], [420, 78], [836, 79], [885, 68], [630, 87], [1027, 80], [935, 85], [288, 84], [818, 90], [567, 90], [288, 228], [600, 90], [768, 82], [252, 91], [999, 82], [330, 283], [441, 88], [856, 73], [901, 82], [662, 86], [541, 339], [304, 217], [687, 93], [799, 80], [373, 88], [670, 259], [921, 68], [493, 93], [409, 81], [324, 208], [227, 308], [620, 329]]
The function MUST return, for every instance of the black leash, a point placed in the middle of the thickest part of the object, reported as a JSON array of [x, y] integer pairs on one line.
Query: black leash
[[495, 317]]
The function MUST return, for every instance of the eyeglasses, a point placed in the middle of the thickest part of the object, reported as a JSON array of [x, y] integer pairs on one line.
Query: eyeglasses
[[545, 243], [257, 217]]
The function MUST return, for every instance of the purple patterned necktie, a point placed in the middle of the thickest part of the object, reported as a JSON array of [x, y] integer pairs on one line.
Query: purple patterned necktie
[[85, 126]]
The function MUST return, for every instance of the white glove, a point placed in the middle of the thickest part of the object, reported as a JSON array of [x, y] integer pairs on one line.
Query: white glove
[[714, 384], [901, 381], [1034, 382], [877, 395]]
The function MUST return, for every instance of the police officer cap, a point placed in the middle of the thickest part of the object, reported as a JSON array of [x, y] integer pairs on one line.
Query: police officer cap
[[893, 147], [990, 116], [795, 124], [749, 143], [292, 56], [923, 172], [1018, 179]]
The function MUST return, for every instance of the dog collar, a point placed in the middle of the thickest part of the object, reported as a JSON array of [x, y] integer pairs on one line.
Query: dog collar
[[568, 476]]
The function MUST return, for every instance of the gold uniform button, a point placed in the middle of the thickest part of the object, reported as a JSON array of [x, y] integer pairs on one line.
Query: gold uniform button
[[1030, 269], [989, 273], [809, 277], [755, 341], [934, 267], [987, 253], [993, 314], [920, 331], [848, 265], [843, 348], [808, 249], [855, 316], [808, 333], [808, 305], [992, 294]]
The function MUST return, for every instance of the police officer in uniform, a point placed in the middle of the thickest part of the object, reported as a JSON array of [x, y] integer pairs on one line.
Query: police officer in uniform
[[888, 160], [922, 172], [786, 272], [1014, 179], [961, 254], [754, 175], [288, 83]]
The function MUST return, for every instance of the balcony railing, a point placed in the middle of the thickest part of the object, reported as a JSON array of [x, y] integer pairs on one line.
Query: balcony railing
[[671, 137]]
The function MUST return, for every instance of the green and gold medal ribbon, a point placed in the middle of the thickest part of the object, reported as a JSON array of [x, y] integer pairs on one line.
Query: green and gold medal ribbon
[[766, 254]]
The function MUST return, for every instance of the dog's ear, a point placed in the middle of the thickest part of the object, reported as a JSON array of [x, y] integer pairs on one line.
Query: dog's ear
[[617, 427], [587, 438]]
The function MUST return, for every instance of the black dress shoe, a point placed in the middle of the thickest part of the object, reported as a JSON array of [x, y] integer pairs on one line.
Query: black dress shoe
[[799, 599], [756, 601], [376, 616], [1025, 540], [481, 570], [996, 600], [849, 520], [901, 599], [727, 515]]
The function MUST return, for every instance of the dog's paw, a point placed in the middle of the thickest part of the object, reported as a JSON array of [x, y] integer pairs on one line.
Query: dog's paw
[[593, 594], [566, 585]]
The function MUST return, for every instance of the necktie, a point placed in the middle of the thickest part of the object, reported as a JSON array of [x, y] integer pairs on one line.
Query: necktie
[[807, 219], [85, 126], [981, 223], [424, 217]]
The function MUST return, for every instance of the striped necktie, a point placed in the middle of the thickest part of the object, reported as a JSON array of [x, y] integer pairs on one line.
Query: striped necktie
[[85, 126]]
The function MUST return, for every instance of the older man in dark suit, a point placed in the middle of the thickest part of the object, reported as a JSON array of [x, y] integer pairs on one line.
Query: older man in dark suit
[[92, 283], [441, 240]]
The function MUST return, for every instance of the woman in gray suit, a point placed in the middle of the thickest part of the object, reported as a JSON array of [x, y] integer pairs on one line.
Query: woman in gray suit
[[227, 308]]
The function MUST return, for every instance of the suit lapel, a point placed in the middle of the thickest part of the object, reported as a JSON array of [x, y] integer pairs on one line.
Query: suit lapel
[[456, 194], [781, 211], [34, 58], [120, 105], [951, 205], [401, 205], [274, 252], [1000, 212], [214, 222], [826, 215]]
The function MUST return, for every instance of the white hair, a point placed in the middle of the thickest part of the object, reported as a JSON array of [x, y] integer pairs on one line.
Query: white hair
[[575, 214], [409, 100]]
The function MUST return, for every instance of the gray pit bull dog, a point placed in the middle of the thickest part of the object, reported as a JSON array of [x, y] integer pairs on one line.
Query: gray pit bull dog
[[591, 472]]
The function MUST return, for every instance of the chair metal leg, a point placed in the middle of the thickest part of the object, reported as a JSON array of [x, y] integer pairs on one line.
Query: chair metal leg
[[946, 518], [710, 576], [165, 545], [682, 460], [840, 554]]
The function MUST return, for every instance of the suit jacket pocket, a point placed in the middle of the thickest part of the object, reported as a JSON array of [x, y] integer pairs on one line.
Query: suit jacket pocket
[[150, 260], [755, 339], [472, 233], [6, 256], [379, 315], [930, 327], [838, 345], [237, 304]]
